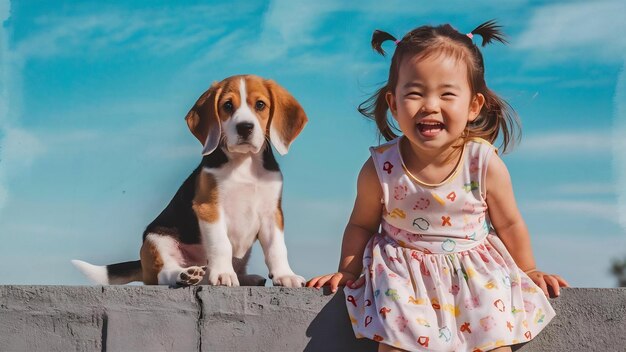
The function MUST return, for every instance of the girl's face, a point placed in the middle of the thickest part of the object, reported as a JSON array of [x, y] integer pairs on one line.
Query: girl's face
[[433, 102]]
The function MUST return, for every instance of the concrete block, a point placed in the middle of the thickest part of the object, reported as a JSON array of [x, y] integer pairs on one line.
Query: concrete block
[[204, 318]]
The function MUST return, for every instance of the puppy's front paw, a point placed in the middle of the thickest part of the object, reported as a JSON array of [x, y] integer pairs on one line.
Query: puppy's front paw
[[191, 275], [291, 280], [223, 278]]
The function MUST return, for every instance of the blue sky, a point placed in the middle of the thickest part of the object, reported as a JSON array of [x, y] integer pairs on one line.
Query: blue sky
[[93, 142]]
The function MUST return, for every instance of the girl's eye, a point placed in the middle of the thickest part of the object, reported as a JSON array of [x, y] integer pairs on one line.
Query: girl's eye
[[228, 106], [414, 94], [449, 94], [260, 105]]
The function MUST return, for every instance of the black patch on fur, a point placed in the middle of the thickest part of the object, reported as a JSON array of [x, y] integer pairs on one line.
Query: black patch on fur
[[178, 219], [269, 162], [215, 159], [124, 270]]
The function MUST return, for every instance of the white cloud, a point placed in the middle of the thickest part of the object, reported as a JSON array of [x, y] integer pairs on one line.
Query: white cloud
[[581, 30], [18, 147], [566, 143], [602, 210], [584, 189], [18, 150], [157, 31], [289, 24]]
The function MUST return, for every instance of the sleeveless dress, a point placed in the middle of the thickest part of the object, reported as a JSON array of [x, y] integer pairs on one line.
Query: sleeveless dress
[[437, 277]]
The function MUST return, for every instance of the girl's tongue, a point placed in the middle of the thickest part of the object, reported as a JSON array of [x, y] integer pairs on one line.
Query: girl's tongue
[[430, 129]]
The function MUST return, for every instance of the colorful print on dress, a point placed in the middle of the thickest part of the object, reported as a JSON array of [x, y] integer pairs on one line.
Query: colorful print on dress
[[421, 224], [438, 199], [393, 294], [421, 204], [448, 245], [400, 192], [472, 186], [368, 320], [445, 333], [499, 305], [398, 213], [474, 165], [528, 288], [469, 208], [454, 290], [539, 316], [466, 328], [387, 166], [472, 302], [422, 322], [488, 323], [529, 306], [417, 301], [383, 312], [491, 285], [401, 323], [515, 310]]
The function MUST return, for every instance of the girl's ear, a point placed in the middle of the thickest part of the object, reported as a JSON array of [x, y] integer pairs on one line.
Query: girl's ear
[[475, 106], [203, 119], [391, 102]]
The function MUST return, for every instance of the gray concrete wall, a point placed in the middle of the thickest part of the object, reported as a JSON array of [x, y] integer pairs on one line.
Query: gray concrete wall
[[148, 318]]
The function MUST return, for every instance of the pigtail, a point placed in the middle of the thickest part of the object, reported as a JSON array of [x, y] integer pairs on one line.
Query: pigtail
[[375, 108], [378, 38], [489, 31], [497, 116]]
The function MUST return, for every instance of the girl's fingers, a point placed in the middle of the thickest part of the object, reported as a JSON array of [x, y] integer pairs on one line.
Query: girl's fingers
[[552, 281], [334, 282], [313, 281], [323, 281], [359, 282], [561, 281], [318, 282]]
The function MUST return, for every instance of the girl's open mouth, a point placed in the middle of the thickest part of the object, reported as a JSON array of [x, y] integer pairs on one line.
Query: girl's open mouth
[[430, 129]]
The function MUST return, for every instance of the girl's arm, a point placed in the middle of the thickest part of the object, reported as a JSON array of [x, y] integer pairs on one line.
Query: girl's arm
[[363, 223], [508, 223]]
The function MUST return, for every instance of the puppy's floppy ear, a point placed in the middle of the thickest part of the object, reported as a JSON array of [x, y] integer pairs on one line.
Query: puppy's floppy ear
[[287, 118], [203, 119]]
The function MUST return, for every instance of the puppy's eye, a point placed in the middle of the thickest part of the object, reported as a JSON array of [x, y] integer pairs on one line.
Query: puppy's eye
[[228, 106], [260, 105]]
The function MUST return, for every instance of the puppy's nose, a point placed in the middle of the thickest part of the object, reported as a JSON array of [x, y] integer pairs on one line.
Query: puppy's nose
[[244, 129]]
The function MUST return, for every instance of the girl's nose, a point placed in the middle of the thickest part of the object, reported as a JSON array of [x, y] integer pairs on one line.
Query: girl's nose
[[430, 105]]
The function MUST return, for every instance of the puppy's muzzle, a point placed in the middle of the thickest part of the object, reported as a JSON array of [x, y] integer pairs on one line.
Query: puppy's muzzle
[[244, 129]]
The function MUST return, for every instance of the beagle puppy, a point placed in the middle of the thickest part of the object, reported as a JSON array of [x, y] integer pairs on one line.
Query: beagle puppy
[[233, 198]]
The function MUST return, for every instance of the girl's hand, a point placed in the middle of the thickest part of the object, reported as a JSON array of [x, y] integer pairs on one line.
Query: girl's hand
[[544, 280], [340, 278]]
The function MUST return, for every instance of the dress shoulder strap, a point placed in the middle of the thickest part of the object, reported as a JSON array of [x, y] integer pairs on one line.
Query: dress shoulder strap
[[479, 152], [387, 162]]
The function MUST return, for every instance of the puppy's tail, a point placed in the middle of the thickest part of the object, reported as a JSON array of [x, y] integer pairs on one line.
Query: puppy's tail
[[112, 274]]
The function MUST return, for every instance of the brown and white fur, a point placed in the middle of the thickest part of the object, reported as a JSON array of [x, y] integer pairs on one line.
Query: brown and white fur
[[232, 199]]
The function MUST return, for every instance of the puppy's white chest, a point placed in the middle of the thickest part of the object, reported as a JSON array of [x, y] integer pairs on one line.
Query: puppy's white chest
[[248, 196]]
